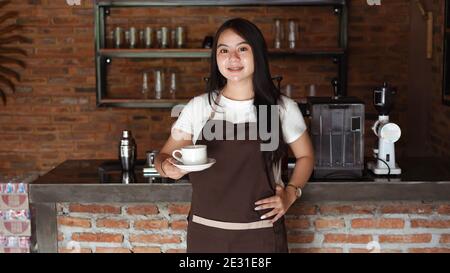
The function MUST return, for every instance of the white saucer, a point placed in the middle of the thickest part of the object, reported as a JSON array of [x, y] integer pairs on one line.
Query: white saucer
[[195, 168]]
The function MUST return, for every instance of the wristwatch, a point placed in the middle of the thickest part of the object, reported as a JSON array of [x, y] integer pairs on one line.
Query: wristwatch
[[298, 190]]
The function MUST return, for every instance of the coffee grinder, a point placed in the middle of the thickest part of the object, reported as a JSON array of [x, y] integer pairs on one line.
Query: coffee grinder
[[387, 132]]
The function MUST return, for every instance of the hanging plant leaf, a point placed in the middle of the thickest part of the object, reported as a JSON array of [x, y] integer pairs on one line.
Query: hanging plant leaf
[[9, 60], [10, 28], [4, 3], [9, 36], [9, 72], [8, 15], [7, 82], [14, 39], [10, 50]]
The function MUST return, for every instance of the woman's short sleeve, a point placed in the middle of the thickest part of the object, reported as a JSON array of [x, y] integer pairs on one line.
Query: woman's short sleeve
[[185, 121], [292, 121]]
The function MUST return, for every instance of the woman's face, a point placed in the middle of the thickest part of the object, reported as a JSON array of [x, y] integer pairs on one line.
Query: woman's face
[[234, 57]]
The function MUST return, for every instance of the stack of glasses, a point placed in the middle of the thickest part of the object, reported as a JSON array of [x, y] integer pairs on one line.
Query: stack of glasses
[[144, 38]]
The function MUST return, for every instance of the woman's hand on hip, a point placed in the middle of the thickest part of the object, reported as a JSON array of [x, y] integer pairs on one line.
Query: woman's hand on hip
[[280, 203], [171, 170]]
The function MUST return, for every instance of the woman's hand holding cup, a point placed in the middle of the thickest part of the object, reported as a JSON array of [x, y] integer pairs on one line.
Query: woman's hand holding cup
[[171, 170]]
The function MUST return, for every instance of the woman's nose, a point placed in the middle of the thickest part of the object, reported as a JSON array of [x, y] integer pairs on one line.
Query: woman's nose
[[234, 55]]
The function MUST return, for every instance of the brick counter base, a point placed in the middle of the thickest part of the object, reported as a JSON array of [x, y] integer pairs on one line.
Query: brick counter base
[[312, 227]]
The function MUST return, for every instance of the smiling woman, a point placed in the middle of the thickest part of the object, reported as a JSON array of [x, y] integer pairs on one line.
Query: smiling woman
[[238, 204]]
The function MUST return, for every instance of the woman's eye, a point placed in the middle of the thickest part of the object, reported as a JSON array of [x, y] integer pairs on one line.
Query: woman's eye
[[242, 49], [223, 50]]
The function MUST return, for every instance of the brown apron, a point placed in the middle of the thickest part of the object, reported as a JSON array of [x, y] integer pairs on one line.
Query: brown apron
[[222, 217]]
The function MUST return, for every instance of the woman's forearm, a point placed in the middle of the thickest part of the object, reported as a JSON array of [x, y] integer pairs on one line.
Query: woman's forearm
[[302, 171], [158, 163]]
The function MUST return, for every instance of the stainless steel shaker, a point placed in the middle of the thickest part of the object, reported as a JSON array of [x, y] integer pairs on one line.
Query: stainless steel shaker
[[127, 151]]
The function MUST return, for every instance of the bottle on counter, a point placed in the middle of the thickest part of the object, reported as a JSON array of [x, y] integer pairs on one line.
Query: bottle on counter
[[127, 151]]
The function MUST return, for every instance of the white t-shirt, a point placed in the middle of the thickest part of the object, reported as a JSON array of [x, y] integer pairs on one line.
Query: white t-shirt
[[196, 113]]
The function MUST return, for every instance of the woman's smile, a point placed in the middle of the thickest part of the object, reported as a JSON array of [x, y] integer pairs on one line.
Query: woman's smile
[[236, 68]]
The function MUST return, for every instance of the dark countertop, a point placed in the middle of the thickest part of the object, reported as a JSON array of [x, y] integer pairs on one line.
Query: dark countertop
[[425, 179]]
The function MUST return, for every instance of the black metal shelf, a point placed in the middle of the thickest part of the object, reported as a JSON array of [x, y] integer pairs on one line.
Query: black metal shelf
[[103, 54], [206, 53], [172, 3], [142, 103]]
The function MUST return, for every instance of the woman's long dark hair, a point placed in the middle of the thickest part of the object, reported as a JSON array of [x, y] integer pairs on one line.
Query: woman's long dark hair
[[266, 93]]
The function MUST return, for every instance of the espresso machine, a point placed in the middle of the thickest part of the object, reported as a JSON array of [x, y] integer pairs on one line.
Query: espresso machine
[[337, 132], [387, 132]]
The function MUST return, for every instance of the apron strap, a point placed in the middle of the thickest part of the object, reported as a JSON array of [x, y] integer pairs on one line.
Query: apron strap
[[231, 225]]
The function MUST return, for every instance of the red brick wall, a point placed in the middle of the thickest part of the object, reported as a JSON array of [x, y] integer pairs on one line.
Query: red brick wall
[[53, 116], [312, 227]]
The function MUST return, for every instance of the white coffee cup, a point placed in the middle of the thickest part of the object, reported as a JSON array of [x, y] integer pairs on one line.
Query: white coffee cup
[[192, 155]]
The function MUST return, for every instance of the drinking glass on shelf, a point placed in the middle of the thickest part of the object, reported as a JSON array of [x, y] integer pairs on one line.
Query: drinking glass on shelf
[[173, 85], [293, 33], [141, 38], [118, 38], [145, 88], [180, 37], [148, 34], [127, 38], [278, 33], [173, 37], [133, 37], [312, 90], [159, 83], [163, 37]]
